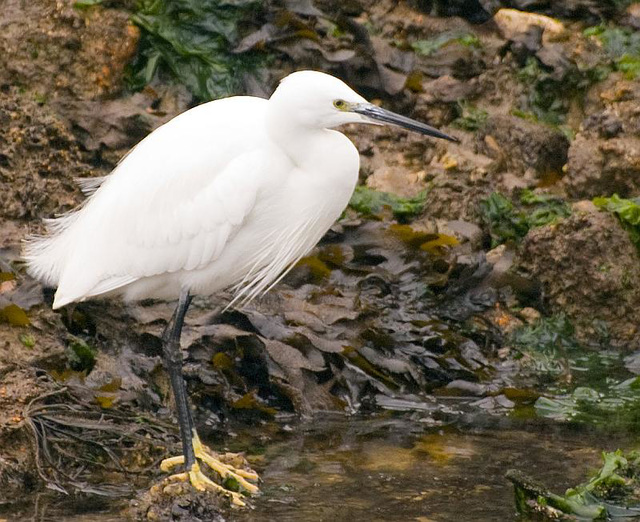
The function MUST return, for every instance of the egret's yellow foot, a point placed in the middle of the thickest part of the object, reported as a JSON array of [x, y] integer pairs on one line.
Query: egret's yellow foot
[[227, 466]]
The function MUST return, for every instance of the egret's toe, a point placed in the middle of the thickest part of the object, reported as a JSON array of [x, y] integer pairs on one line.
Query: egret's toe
[[228, 466], [226, 469]]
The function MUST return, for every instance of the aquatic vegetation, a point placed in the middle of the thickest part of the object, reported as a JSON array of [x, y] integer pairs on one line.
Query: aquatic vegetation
[[471, 118], [545, 208], [605, 497], [80, 355], [429, 46], [506, 222], [371, 202], [193, 42], [550, 92], [547, 345], [622, 46], [618, 405], [627, 211], [546, 334]]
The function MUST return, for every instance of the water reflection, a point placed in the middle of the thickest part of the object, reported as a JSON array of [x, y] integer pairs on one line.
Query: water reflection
[[390, 468], [395, 470]]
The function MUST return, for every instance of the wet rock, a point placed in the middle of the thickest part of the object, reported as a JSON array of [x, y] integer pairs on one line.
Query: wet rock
[[108, 129], [599, 166], [480, 11], [453, 197], [530, 315], [605, 124], [589, 270], [611, 105], [522, 145], [56, 49], [38, 160], [513, 23], [447, 89], [591, 11], [631, 16], [439, 100], [476, 11], [466, 231], [457, 60], [527, 44], [177, 502], [396, 179]]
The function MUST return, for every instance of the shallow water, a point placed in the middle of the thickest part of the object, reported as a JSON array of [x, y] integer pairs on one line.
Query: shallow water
[[395, 470], [390, 468]]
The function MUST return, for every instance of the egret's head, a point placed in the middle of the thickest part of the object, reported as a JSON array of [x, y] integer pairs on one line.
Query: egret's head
[[318, 100]]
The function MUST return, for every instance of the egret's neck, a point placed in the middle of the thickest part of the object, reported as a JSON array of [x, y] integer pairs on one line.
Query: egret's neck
[[298, 141]]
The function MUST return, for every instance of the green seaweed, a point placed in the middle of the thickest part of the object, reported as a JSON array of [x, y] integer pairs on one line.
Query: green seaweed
[[429, 46], [546, 334], [547, 346], [81, 356], [507, 222], [550, 93], [617, 405], [592, 386], [546, 209], [471, 118], [192, 41], [371, 202], [609, 495], [27, 340], [622, 46], [626, 210]]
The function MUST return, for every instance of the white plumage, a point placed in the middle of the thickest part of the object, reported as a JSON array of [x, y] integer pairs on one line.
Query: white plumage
[[214, 197], [227, 194]]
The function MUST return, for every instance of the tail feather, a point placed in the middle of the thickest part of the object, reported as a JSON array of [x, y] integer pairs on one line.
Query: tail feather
[[46, 256]]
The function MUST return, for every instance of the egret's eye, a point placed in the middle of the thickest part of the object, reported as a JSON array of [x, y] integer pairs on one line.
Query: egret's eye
[[340, 105]]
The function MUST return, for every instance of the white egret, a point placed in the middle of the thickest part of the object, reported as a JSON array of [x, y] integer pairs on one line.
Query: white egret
[[226, 195]]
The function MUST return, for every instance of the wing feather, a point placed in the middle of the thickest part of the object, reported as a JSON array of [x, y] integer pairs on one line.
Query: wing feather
[[172, 204]]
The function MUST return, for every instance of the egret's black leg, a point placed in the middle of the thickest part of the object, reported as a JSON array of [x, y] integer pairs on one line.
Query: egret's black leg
[[192, 448], [173, 363]]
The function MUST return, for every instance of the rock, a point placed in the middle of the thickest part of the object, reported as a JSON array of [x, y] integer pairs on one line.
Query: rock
[[479, 11], [454, 197], [523, 145], [468, 231], [57, 49], [605, 124], [38, 160], [631, 16], [600, 167], [526, 44], [590, 11], [589, 269], [512, 22], [110, 128], [397, 180], [613, 100], [457, 60], [175, 502], [447, 89], [530, 315]]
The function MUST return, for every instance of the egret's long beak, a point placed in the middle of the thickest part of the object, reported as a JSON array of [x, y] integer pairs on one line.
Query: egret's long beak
[[375, 113]]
